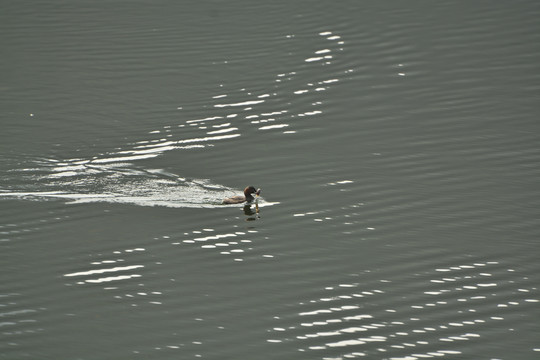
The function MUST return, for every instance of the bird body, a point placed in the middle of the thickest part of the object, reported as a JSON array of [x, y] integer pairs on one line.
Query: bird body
[[247, 197]]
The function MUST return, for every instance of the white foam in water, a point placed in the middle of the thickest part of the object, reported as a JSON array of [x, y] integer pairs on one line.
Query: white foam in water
[[126, 185]]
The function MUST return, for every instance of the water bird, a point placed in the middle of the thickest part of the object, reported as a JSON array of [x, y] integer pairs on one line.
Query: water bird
[[248, 196]]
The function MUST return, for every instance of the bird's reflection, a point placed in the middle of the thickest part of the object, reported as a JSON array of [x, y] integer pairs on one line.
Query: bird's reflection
[[252, 213]]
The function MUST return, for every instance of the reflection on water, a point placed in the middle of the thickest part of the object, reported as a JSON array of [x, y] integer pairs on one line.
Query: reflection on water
[[111, 177], [439, 310], [235, 243], [400, 143], [252, 211]]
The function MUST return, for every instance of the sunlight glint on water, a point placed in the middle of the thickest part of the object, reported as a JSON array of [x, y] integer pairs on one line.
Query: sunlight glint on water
[[396, 148]]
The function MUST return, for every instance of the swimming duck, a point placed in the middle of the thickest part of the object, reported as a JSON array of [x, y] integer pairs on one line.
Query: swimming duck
[[248, 196]]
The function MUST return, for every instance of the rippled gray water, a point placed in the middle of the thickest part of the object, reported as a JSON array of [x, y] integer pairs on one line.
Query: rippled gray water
[[396, 146]]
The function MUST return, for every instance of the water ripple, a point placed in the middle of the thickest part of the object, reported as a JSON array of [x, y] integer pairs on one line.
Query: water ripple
[[421, 318], [112, 176]]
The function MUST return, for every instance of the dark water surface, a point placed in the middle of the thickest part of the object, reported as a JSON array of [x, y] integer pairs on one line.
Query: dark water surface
[[396, 145]]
